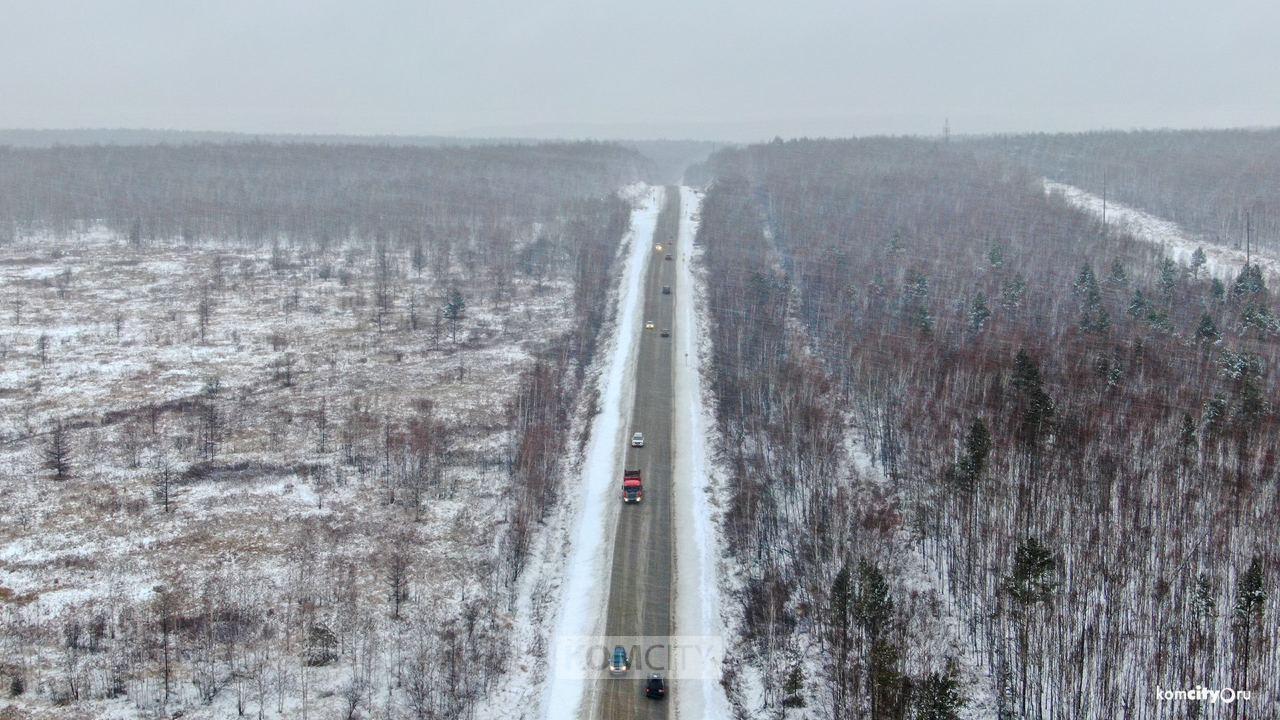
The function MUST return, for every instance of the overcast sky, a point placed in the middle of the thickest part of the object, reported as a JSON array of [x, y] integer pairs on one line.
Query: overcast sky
[[734, 70]]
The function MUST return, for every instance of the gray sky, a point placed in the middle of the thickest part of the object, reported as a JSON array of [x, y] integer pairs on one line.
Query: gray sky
[[734, 70]]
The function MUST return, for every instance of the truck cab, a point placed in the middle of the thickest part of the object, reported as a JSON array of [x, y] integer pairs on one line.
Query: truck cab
[[632, 486]]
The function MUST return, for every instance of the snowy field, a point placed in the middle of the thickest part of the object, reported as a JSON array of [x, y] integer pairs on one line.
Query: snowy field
[[318, 429], [1221, 262]]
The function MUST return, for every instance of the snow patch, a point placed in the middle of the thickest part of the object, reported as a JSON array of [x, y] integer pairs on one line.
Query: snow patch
[[697, 603]]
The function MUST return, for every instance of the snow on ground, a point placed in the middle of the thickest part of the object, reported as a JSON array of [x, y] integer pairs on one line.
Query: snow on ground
[[592, 516], [698, 550], [1221, 262], [94, 332]]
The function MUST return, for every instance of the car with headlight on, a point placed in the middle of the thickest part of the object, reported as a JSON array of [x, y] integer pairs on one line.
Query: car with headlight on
[[648, 325], [619, 662]]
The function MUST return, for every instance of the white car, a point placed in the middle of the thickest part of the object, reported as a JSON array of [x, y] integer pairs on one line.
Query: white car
[[637, 440]]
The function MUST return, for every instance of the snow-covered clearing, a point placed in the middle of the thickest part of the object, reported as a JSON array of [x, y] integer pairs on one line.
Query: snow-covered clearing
[[697, 605], [282, 417], [1221, 262], [591, 515]]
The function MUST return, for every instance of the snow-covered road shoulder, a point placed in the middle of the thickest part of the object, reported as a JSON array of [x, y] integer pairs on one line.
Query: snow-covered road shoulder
[[591, 516], [697, 592]]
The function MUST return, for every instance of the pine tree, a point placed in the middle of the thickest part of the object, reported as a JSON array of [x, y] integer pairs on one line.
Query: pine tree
[[1249, 282], [995, 256], [1187, 435], [1138, 304], [1086, 282], [1168, 277], [1037, 406], [1197, 261], [1012, 292], [979, 312], [1119, 276], [1205, 599], [915, 302], [454, 309], [977, 446], [1217, 290], [1251, 602], [792, 688], [840, 633], [1034, 576], [57, 454], [938, 698], [1251, 598], [872, 605], [1206, 331]]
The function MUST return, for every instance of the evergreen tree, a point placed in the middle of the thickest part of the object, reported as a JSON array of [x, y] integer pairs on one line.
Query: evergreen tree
[[995, 256], [1197, 261], [1187, 434], [1251, 603], [1119, 276], [1138, 304], [1260, 318], [57, 454], [872, 605], [889, 687], [454, 308], [1215, 413], [938, 698], [1086, 283], [1037, 406], [915, 302], [1012, 292], [1249, 282], [977, 446], [1205, 599], [979, 312], [1217, 290], [792, 688], [1206, 331], [1168, 277], [1034, 576], [840, 633], [1251, 598]]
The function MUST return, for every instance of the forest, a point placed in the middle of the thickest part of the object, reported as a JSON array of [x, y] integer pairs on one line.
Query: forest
[[991, 458], [278, 421], [1223, 185]]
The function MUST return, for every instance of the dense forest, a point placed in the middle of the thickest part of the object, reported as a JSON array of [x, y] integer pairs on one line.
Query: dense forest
[[303, 192], [279, 423], [989, 457], [1223, 185]]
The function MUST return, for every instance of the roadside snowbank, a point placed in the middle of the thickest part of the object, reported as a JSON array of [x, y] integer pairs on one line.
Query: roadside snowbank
[[587, 568], [697, 602], [1221, 262]]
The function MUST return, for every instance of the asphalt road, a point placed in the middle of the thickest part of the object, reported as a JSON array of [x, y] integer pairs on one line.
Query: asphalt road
[[641, 581]]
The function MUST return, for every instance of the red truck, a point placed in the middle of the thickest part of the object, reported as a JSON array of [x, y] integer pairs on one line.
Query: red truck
[[632, 486]]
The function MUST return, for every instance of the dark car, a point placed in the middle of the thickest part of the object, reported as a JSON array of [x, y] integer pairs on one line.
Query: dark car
[[655, 688], [665, 333], [666, 289], [669, 257]]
